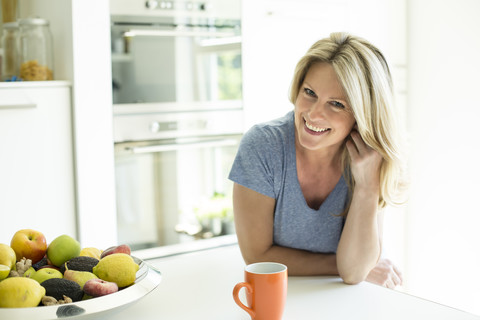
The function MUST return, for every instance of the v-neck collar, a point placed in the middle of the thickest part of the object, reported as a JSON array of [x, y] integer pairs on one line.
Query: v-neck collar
[[325, 203]]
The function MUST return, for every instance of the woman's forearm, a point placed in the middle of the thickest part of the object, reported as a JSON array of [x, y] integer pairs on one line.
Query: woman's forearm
[[360, 244], [254, 228], [299, 262]]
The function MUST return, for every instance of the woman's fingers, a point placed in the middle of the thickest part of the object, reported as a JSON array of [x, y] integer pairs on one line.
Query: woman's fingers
[[359, 143], [352, 149], [397, 275], [386, 274], [365, 161], [357, 148]]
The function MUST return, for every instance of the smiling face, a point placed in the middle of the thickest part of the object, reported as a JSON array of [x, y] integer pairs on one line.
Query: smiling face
[[322, 115]]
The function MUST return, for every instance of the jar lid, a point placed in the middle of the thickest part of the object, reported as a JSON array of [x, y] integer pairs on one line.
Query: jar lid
[[33, 21], [10, 25]]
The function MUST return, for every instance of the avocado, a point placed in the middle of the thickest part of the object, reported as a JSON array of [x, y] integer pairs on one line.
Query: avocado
[[79, 264], [59, 287], [40, 263]]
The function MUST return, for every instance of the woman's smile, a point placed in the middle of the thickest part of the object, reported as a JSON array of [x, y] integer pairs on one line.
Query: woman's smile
[[312, 129]]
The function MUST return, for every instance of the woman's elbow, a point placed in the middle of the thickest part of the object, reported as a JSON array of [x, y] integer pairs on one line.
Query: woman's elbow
[[254, 255], [351, 271], [250, 258], [353, 275], [352, 278]]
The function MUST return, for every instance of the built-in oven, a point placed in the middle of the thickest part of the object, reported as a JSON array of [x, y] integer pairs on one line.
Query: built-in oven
[[178, 118], [171, 173], [170, 53]]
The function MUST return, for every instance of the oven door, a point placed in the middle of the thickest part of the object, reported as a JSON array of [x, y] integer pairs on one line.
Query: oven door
[[174, 190], [172, 61]]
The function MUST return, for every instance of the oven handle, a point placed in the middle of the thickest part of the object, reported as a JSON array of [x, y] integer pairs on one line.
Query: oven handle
[[177, 33], [182, 146]]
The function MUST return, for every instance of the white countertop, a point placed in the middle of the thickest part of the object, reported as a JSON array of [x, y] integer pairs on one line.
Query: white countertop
[[199, 285], [34, 84]]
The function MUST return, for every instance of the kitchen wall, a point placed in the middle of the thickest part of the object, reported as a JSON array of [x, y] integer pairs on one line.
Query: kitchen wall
[[444, 215], [277, 33]]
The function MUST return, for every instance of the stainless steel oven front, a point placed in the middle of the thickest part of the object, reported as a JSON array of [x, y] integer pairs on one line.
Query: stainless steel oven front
[[176, 51], [171, 173], [178, 117]]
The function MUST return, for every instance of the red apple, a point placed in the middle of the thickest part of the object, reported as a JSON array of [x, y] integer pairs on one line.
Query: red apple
[[30, 244], [123, 248]]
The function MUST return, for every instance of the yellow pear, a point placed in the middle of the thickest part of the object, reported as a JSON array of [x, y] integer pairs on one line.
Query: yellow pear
[[79, 277], [91, 252]]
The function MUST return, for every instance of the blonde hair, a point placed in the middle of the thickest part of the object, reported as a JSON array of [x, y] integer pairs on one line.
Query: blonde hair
[[365, 77]]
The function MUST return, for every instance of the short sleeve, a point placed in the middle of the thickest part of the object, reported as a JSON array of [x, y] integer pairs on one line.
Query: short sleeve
[[253, 166]]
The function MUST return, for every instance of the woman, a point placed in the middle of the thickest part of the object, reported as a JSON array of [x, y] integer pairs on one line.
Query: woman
[[309, 188]]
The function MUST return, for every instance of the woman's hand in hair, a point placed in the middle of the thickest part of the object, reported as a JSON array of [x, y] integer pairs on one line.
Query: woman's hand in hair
[[365, 162]]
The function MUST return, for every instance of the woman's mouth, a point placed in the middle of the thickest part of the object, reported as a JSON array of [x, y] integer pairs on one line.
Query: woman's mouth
[[315, 129]]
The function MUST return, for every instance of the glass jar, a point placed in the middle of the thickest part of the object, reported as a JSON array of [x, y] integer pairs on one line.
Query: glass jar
[[9, 10], [35, 45], [10, 51]]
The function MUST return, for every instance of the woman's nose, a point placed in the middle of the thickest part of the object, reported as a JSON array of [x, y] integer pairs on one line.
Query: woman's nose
[[317, 111]]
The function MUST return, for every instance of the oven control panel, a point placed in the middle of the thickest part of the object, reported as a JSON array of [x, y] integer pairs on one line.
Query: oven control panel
[[141, 127], [177, 5]]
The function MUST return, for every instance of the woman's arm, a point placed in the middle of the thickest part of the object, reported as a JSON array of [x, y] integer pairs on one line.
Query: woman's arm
[[360, 243], [254, 226]]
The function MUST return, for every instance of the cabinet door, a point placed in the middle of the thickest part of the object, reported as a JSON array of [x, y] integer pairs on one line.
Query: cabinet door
[[36, 162]]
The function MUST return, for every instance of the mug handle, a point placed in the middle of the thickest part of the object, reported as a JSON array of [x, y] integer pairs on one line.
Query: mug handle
[[236, 290]]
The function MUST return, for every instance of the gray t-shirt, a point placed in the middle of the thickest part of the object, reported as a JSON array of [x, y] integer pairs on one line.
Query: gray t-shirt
[[266, 163]]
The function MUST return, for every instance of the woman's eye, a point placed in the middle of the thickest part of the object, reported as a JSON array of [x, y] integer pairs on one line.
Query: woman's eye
[[337, 104], [309, 92]]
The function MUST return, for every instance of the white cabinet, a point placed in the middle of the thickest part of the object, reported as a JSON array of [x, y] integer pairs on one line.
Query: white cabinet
[[81, 39], [36, 159]]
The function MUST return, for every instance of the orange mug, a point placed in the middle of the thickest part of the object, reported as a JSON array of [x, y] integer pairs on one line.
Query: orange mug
[[266, 290]]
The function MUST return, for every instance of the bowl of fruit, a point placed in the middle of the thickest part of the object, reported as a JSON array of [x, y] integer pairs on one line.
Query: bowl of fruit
[[63, 280]]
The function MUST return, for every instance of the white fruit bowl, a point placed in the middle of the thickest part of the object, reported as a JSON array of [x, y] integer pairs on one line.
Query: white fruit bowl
[[148, 278]]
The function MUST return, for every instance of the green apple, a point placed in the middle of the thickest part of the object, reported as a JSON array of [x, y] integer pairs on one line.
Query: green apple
[[30, 244], [62, 249], [29, 273], [45, 274]]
